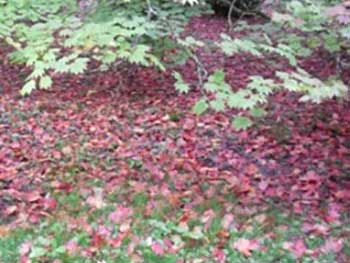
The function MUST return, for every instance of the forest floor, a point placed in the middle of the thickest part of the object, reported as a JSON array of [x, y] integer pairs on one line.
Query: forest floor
[[92, 172]]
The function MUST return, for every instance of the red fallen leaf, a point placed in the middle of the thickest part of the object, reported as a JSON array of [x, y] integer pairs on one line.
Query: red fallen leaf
[[72, 247], [227, 221], [57, 155], [120, 214], [219, 255], [104, 231], [189, 125], [11, 210], [207, 218], [32, 197], [251, 169], [263, 185], [245, 246], [7, 174], [184, 218], [332, 245], [333, 214], [173, 199], [63, 186], [316, 229], [154, 171], [157, 249], [97, 241], [117, 242], [24, 259], [343, 194], [49, 203], [298, 247]]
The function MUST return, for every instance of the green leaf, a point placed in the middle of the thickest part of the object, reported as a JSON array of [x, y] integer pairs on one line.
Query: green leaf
[[28, 87], [241, 123], [194, 235], [78, 66], [258, 112], [138, 56], [200, 107], [180, 85], [218, 105], [331, 42], [45, 82], [37, 252], [218, 77]]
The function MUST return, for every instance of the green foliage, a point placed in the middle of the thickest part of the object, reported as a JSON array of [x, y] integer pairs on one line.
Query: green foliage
[[314, 90], [200, 107], [241, 123], [180, 85], [315, 29], [49, 36]]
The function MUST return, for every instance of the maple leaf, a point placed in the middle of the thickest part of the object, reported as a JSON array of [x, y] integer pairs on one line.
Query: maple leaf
[[120, 214], [49, 203], [157, 249], [298, 247], [72, 247], [316, 229], [207, 218], [245, 246], [332, 245], [227, 221], [32, 196], [97, 199], [104, 231], [219, 255]]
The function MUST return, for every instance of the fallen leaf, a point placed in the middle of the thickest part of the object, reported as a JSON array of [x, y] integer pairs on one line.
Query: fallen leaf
[[120, 214], [245, 246], [157, 249], [332, 245], [72, 247]]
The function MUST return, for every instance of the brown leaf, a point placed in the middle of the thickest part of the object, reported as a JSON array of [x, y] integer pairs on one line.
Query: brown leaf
[[4, 231]]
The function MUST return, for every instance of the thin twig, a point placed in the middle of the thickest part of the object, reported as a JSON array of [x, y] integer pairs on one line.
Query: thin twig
[[230, 12]]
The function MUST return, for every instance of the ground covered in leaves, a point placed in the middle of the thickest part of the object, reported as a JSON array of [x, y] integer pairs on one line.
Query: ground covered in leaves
[[114, 167]]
